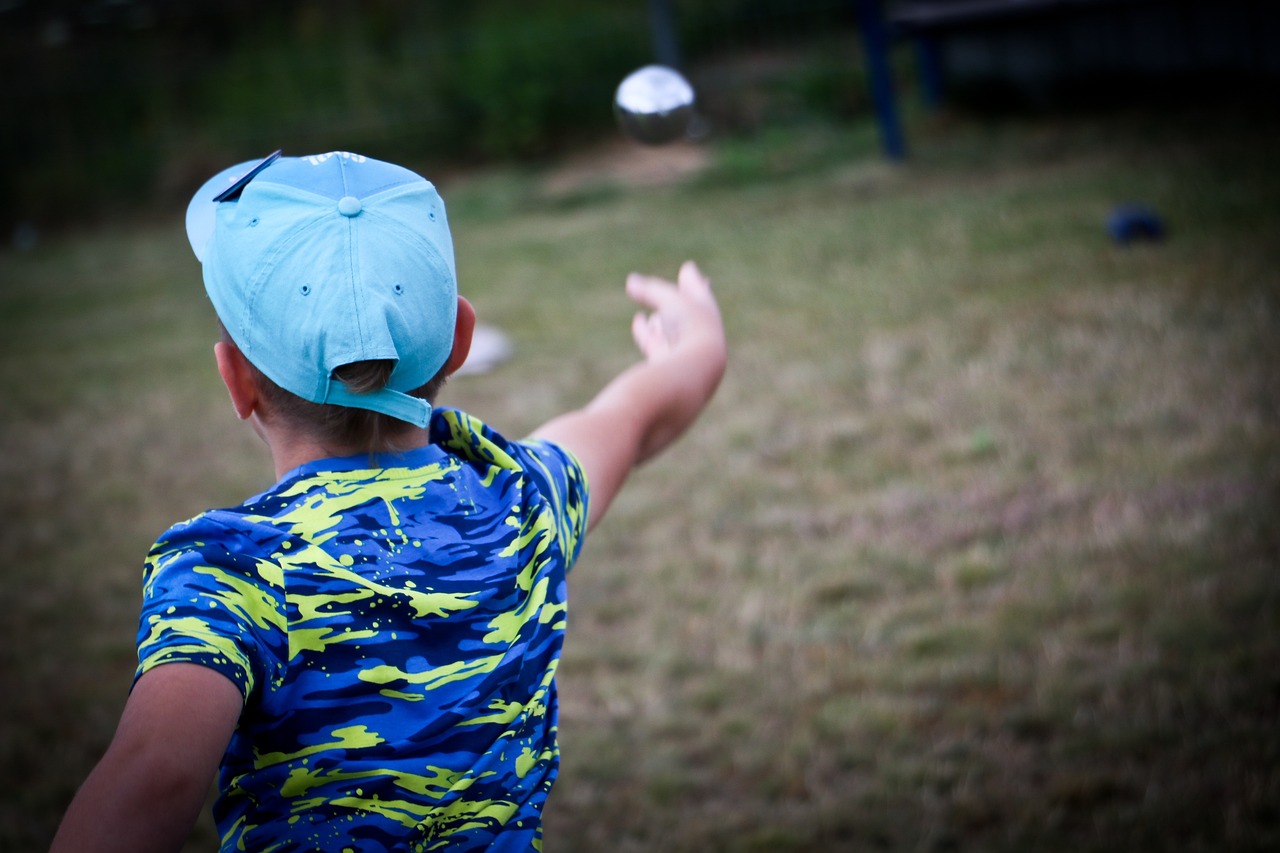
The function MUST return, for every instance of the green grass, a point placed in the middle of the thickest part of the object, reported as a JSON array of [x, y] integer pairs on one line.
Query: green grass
[[976, 549]]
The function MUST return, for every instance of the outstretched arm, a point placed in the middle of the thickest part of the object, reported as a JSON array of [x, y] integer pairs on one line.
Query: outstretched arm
[[148, 789], [650, 404]]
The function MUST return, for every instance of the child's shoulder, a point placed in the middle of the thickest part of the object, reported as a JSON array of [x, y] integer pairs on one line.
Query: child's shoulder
[[473, 440], [222, 537]]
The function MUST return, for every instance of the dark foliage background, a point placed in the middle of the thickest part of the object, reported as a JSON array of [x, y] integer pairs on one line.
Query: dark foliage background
[[110, 102]]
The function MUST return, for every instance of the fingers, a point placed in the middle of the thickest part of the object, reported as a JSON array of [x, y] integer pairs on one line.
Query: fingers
[[674, 312], [653, 292], [691, 278], [640, 331], [648, 290], [651, 333]]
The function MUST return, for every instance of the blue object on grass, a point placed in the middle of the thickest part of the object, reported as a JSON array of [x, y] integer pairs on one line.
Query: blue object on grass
[[1128, 223]]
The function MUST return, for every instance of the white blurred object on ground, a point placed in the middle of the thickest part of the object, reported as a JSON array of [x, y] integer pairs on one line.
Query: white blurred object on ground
[[490, 347]]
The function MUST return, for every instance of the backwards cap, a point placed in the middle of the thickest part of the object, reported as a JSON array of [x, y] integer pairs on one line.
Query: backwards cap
[[316, 262]]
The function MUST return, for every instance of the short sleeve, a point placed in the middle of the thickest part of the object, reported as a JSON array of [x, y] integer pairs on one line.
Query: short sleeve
[[555, 472], [561, 479], [207, 604]]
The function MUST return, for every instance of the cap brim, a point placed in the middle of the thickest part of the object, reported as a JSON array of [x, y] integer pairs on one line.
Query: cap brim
[[203, 207]]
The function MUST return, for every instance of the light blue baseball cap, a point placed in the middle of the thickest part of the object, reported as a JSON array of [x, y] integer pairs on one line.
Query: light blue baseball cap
[[319, 261]]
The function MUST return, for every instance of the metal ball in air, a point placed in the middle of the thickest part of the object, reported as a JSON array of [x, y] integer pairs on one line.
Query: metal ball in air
[[654, 105]]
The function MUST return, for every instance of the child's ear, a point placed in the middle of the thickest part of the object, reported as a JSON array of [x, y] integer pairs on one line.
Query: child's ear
[[236, 374], [462, 332]]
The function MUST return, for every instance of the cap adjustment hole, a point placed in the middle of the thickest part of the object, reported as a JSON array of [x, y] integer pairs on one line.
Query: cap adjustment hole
[[306, 289]]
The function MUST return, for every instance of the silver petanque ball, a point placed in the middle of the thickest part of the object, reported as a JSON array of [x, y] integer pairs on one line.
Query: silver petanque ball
[[654, 105]]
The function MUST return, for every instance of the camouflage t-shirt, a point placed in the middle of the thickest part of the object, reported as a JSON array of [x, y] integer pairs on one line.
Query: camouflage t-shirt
[[394, 625]]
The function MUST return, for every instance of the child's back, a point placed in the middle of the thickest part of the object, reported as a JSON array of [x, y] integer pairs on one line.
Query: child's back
[[405, 621]]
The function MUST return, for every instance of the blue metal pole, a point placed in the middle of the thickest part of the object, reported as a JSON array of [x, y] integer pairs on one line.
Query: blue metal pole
[[929, 62], [662, 21], [875, 43]]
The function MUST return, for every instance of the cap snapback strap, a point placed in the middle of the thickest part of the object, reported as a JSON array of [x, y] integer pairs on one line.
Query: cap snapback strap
[[397, 404]]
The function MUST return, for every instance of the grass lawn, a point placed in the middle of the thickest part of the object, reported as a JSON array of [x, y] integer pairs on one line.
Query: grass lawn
[[978, 548]]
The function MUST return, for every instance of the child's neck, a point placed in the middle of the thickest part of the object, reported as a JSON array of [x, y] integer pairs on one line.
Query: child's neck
[[290, 448]]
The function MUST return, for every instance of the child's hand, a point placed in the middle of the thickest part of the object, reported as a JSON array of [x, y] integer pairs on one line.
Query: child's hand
[[650, 404], [683, 320]]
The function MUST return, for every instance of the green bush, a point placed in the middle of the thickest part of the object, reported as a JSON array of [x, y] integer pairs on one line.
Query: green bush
[[524, 84]]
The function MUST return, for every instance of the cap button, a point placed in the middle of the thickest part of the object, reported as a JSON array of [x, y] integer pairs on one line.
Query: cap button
[[349, 205]]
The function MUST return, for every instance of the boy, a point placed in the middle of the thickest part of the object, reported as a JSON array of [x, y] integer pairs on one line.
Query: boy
[[366, 652]]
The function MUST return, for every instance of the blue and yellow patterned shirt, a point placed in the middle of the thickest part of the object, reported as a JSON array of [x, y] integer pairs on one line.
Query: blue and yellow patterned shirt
[[395, 629]]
